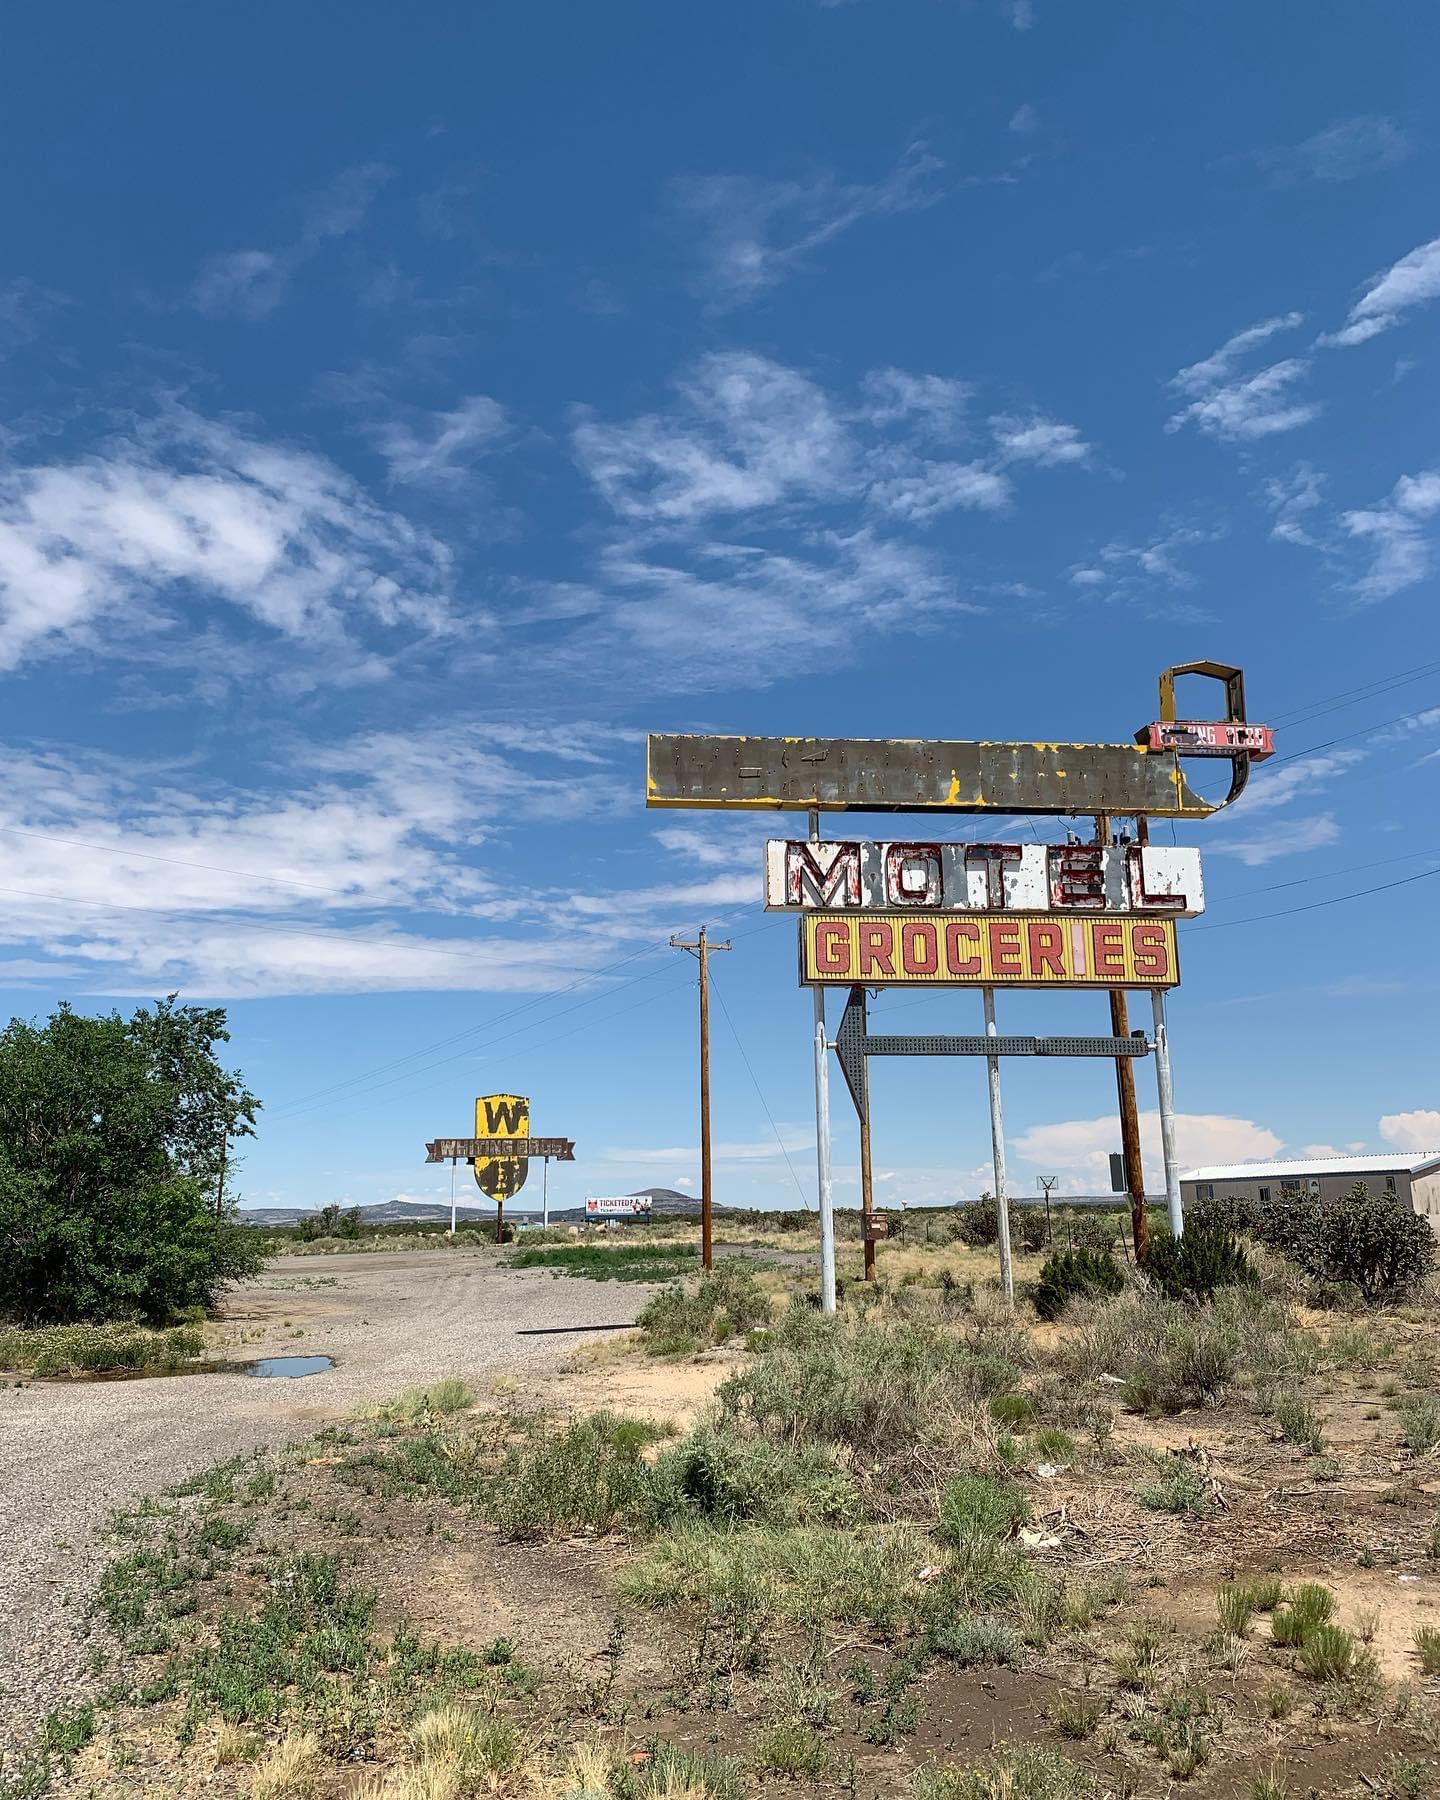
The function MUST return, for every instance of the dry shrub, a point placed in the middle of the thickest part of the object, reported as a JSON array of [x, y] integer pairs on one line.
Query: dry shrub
[[289, 1771]]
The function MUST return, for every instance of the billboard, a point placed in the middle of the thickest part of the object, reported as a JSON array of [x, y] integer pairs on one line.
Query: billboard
[[618, 1206], [850, 875], [986, 950]]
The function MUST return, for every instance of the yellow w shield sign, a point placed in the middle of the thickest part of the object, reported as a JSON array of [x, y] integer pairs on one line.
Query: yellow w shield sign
[[502, 1115]]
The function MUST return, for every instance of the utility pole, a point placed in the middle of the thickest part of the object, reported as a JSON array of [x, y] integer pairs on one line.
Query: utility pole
[[997, 1151], [1047, 1185], [1129, 1116], [701, 951]]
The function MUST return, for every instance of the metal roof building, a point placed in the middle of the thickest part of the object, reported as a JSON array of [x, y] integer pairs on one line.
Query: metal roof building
[[1411, 1175]]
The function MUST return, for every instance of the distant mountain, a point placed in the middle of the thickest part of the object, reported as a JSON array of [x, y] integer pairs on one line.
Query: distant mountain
[[665, 1203]]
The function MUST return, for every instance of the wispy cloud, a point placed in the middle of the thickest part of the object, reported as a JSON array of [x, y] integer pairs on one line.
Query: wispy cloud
[[1411, 282], [1078, 1150], [187, 512], [1035, 439], [753, 233], [936, 403], [1228, 405], [1293, 498], [251, 284], [1286, 838], [1150, 575], [1398, 533], [429, 449], [1343, 152]]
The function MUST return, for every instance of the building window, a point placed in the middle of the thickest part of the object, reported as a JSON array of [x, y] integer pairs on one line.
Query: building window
[[1204, 1190], [1264, 1196], [1291, 1190], [1389, 1184]]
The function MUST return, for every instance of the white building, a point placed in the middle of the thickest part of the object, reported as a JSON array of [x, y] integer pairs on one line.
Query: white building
[[1411, 1175]]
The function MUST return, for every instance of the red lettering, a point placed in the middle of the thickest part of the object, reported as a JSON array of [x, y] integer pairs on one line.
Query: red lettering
[[1005, 947], [1077, 875], [836, 882], [1109, 942], [912, 875], [1141, 896], [956, 931], [1151, 947], [832, 947], [877, 948], [919, 947], [1047, 949], [993, 858]]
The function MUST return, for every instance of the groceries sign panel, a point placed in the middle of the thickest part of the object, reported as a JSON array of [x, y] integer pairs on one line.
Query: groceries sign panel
[[1017, 878], [988, 950]]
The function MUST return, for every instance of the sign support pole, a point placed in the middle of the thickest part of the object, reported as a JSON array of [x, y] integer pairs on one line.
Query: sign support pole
[[452, 1198], [826, 1192], [997, 1144], [545, 1193], [1166, 1086], [1129, 1114], [867, 1183]]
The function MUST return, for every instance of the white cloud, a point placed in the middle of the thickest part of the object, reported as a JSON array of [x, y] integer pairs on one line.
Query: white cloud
[[1418, 1130], [750, 434], [1274, 787], [936, 402], [1216, 369], [1354, 147], [1397, 532], [1413, 281], [932, 488], [1047, 442], [1025, 120], [251, 284], [1021, 13], [1144, 574], [1283, 839], [1292, 498], [1078, 1150], [441, 448], [186, 512], [754, 233], [1256, 406]]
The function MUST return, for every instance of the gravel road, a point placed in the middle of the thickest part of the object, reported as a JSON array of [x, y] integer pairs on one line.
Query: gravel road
[[70, 1453]]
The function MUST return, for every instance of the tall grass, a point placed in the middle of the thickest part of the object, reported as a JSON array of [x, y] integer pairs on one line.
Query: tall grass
[[1016, 1772], [724, 1302], [99, 1349]]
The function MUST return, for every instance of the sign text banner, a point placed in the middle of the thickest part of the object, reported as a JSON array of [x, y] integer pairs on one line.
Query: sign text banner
[[986, 950]]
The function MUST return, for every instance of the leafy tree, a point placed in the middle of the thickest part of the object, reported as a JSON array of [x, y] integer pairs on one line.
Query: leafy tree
[[113, 1137]]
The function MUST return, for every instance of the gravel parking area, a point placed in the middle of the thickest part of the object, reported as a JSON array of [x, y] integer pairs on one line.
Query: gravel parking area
[[70, 1453]]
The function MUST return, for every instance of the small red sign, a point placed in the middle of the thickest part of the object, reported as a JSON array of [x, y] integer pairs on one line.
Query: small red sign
[[1194, 737]]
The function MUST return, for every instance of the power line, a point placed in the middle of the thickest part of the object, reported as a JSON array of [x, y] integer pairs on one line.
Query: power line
[[1331, 875], [1367, 690], [1315, 905], [759, 1092]]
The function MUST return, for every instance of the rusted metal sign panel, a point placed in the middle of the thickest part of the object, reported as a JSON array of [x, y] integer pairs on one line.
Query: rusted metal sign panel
[[911, 775], [468, 1149], [874, 1227], [834, 876], [985, 950], [1195, 737], [501, 1174]]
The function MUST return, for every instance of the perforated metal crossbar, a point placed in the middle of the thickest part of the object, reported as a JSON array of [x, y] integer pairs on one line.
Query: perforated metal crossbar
[[1003, 1046]]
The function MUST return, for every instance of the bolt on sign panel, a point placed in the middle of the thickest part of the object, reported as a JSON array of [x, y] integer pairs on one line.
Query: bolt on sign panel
[[983, 950], [913, 775], [502, 1116], [846, 875]]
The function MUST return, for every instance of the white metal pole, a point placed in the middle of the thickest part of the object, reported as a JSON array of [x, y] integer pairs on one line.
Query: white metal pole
[[997, 1145], [1164, 1082], [822, 1135], [452, 1196], [545, 1193]]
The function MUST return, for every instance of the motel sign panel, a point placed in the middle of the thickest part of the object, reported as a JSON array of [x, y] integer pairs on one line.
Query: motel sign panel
[[848, 875]]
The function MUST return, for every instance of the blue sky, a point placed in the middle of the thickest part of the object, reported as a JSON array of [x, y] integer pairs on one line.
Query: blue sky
[[405, 411]]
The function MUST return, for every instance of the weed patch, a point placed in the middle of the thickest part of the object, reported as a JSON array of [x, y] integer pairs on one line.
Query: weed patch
[[625, 1262], [724, 1303]]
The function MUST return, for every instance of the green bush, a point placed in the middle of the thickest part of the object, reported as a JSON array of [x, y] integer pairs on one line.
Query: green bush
[[717, 1474], [1375, 1243], [1029, 1229], [974, 1506], [873, 1386], [1227, 1214], [979, 1224], [590, 1474], [1071, 1272], [97, 1349], [1017, 1772], [1088, 1230], [111, 1135], [725, 1302], [1192, 1267]]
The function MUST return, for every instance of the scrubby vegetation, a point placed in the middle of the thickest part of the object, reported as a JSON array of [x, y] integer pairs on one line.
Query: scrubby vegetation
[[51, 1350], [723, 1303], [1192, 1267], [1075, 1273], [601, 1262]]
